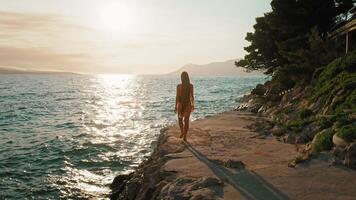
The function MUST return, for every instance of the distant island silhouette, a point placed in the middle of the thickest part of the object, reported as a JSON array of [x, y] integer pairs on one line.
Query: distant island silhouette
[[8, 70], [215, 69]]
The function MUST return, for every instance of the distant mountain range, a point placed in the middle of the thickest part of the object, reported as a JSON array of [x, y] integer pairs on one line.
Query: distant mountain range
[[214, 69], [211, 69], [4, 70]]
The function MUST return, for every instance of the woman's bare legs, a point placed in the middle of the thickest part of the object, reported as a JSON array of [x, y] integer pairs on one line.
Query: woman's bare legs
[[180, 122], [185, 127]]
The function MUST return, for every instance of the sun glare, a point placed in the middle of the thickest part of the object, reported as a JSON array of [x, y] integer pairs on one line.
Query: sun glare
[[115, 17]]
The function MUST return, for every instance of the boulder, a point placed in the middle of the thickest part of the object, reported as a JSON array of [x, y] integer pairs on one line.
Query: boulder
[[118, 185], [132, 188], [339, 142], [119, 181]]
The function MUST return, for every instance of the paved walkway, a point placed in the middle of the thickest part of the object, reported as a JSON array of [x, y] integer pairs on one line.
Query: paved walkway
[[223, 159]]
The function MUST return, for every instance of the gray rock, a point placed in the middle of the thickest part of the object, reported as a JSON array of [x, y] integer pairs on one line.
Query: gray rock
[[132, 189]]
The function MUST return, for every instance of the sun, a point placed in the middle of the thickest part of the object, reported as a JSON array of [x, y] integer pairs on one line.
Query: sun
[[115, 17]]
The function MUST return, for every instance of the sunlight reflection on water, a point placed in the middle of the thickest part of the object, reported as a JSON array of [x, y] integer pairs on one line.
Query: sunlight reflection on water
[[73, 134]]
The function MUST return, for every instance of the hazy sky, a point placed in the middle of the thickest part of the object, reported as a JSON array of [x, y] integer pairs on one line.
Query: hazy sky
[[123, 36]]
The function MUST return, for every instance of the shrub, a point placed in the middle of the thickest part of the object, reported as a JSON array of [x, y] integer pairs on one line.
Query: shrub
[[305, 113], [341, 119], [259, 90], [297, 125], [323, 141], [348, 133], [288, 110], [335, 84], [325, 122], [279, 131]]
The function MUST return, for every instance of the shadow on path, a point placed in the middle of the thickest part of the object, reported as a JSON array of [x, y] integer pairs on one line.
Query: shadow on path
[[247, 183]]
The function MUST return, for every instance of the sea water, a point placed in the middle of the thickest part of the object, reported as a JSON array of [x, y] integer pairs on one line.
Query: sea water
[[68, 136]]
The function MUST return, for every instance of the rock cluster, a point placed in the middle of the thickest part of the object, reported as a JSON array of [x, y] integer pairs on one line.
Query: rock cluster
[[294, 118], [151, 180]]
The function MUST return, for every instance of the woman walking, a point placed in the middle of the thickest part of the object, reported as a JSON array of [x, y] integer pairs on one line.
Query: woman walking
[[184, 104]]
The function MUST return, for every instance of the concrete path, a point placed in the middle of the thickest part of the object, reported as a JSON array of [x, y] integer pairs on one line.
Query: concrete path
[[224, 159]]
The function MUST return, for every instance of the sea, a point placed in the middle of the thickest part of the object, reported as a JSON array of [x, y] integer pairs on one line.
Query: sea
[[66, 136]]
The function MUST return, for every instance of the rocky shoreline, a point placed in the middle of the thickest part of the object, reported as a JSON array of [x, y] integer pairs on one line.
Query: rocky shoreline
[[225, 158], [142, 184]]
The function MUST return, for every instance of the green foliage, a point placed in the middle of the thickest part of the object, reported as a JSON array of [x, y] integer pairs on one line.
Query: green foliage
[[349, 103], [348, 133], [259, 90], [323, 141], [298, 125], [290, 38], [280, 131], [336, 83], [305, 113], [317, 53], [344, 5], [325, 122], [341, 119], [288, 110]]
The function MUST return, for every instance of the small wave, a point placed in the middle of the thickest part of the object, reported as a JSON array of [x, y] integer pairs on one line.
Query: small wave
[[65, 99], [67, 125], [97, 125], [102, 146], [27, 94], [103, 163]]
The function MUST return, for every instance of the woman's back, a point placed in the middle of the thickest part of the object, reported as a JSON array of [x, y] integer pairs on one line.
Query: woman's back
[[185, 100]]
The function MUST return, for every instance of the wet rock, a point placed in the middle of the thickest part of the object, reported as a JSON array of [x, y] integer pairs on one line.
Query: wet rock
[[132, 189], [350, 156], [119, 180], [118, 185]]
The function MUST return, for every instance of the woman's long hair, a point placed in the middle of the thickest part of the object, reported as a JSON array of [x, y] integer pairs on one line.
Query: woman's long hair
[[185, 90]]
